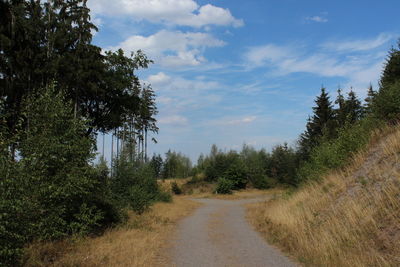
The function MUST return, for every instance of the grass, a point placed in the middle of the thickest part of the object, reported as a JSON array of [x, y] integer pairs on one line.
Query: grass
[[140, 242], [351, 218]]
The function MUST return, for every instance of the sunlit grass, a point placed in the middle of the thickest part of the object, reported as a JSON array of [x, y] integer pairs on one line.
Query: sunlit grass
[[351, 218]]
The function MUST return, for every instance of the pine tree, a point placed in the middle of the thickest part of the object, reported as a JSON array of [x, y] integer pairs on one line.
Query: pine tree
[[369, 99], [391, 72], [354, 109], [320, 124], [340, 112]]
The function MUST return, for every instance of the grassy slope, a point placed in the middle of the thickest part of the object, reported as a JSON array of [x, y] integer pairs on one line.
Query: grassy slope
[[140, 242], [351, 218]]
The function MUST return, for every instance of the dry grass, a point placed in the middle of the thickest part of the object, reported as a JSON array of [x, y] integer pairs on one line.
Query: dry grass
[[140, 242], [352, 218], [166, 184], [242, 194]]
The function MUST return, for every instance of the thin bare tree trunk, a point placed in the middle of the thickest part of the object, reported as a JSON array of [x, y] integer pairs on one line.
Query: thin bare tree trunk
[[145, 145], [112, 153]]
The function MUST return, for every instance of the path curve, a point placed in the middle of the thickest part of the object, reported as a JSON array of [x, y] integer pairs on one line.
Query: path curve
[[217, 234]]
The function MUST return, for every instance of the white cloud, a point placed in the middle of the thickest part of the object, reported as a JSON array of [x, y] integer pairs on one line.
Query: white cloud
[[159, 78], [258, 55], [319, 19], [240, 121], [359, 45], [173, 48], [231, 121], [358, 69], [165, 83], [176, 12], [173, 120]]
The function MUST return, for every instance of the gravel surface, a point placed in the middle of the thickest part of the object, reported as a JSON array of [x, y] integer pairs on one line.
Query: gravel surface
[[217, 234]]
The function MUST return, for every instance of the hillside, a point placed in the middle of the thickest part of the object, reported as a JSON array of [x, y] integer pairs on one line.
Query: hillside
[[350, 218]]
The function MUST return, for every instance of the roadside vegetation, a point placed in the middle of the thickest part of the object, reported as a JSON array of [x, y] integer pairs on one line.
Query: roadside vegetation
[[58, 93], [59, 206], [346, 211]]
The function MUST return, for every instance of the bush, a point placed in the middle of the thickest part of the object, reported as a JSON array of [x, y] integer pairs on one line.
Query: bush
[[237, 174], [261, 181], [51, 191], [139, 199], [335, 153], [164, 196], [176, 189], [224, 186]]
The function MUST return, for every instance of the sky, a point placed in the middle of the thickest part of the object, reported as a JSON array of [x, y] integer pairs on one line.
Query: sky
[[230, 72]]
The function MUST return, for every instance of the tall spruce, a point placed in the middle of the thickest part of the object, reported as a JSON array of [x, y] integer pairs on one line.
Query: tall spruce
[[369, 99], [320, 124], [354, 108]]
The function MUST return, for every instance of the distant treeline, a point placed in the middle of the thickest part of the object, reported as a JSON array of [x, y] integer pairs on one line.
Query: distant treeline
[[336, 129]]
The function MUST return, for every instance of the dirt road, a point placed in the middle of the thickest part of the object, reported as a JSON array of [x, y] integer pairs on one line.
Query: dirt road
[[217, 234]]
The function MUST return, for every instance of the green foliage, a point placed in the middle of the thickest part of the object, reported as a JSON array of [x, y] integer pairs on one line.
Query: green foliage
[[52, 191], [164, 196], [321, 123], [42, 42], [262, 181], [236, 172], [176, 165], [176, 189], [283, 165], [134, 177], [333, 154], [139, 199], [386, 104], [156, 163], [224, 186]]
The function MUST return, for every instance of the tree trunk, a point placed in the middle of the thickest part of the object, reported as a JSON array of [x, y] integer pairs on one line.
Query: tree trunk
[[112, 153], [145, 145]]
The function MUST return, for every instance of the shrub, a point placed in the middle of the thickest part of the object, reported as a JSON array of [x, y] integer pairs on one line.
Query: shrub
[[164, 196], [139, 199], [335, 153], [224, 186], [176, 189], [262, 181], [237, 174]]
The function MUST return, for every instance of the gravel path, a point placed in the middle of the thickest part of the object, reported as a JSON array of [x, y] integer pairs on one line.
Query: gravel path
[[217, 234]]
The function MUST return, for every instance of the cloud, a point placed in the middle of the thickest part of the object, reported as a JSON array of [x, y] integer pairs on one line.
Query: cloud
[[172, 48], [159, 78], [175, 12], [359, 45], [359, 69], [240, 121], [318, 19], [179, 85], [173, 120], [231, 121]]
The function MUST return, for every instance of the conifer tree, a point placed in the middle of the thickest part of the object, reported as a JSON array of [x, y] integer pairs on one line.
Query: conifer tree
[[340, 112], [354, 109], [369, 99], [320, 124]]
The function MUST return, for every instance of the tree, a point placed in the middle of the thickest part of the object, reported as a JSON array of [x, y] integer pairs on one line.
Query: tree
[[353, 107], [369, 100], [45, 42], [386, 102], [391, 72], [320, 124], [340, 112], [156, 163], [284, 164]]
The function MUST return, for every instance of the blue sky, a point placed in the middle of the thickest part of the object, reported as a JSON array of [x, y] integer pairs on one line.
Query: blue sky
[[230, 72]]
